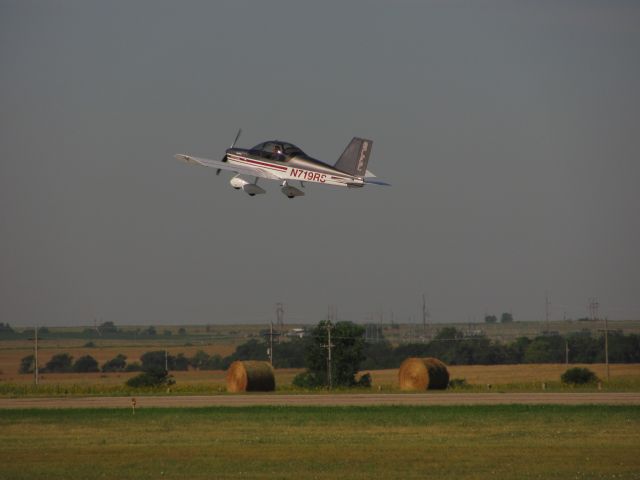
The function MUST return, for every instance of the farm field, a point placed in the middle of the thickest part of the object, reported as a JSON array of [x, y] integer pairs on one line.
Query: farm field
[[11, 352], [480, 378], [506, 442], [526, 376]]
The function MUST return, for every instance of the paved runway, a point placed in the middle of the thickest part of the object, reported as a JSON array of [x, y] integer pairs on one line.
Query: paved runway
[[366, 399]]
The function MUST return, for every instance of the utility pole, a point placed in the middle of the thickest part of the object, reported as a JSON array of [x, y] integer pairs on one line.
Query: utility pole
[[35, 356], [329, 346], [166, 361], [593, 306], [546, 310], [566, 352], [271, 343], [425, 317], [606, 344], [271, 334], [280, 318]]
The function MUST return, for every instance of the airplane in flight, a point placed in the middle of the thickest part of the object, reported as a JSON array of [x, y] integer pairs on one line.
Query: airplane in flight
[[286, 163]]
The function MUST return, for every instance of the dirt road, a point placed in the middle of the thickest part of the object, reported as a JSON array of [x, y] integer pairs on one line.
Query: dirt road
[[241, 400]]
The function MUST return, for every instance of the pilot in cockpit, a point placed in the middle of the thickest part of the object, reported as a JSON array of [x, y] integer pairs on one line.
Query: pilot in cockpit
[[277, 151]]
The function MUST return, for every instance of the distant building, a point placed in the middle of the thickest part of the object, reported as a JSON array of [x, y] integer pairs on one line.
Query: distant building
[[296, 332]]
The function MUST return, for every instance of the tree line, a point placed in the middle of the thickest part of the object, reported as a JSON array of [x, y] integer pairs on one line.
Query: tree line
[[449, 345], [104, 330]]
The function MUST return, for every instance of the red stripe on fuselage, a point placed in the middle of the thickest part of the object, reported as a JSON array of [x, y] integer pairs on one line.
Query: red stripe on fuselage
[[250, 161]]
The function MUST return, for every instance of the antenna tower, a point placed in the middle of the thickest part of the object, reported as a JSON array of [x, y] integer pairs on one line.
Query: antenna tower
[[279, 315], [425, 315]]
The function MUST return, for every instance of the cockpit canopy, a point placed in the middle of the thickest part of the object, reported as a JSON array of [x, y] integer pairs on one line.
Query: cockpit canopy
[[277, 147]]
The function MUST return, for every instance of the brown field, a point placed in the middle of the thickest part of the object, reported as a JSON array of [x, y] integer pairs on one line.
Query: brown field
[[525, 373], [494, 375], [12, 352]]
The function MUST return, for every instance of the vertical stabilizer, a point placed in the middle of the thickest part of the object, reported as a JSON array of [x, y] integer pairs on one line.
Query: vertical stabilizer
[[355, 157]]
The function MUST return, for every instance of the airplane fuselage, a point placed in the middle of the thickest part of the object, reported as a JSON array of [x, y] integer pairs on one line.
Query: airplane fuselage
[[296, 167]]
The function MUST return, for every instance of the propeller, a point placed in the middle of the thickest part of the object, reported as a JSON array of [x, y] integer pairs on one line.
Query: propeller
[[237, 137], [224, 159]]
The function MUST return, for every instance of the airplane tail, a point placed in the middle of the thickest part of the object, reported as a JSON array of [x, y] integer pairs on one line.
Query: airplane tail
[[355, 157]]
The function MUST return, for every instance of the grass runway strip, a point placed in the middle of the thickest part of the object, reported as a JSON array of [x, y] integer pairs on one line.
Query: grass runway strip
[[445, 442]]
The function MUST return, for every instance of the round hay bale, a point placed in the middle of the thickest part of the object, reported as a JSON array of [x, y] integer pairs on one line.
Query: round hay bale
[[423, 374], [250, 376]]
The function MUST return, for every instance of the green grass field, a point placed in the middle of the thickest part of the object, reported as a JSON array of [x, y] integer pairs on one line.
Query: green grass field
[[506, 442]]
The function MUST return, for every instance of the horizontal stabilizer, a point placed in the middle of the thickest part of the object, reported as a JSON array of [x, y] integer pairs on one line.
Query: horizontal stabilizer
[[376, 182]]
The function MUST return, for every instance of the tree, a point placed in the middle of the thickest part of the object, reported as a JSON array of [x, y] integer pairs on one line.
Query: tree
[[251, 350], [448, 333], [180, 362], [86, 364], [347, 341], [545, 349], [117, 364], [60, 363], [199, 360], [150, 331], [490, 319], [583, 348], [5, 329], [506, 317], [378, 355], [289, 354], [27, 364], [108, 328], [624, 348], [517, 349], [157, 359], [182, 331]]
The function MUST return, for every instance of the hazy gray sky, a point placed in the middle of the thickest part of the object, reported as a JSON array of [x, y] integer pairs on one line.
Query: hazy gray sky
[[509, 130]]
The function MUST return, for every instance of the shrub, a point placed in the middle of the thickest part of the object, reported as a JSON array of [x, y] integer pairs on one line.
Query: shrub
[[578, 376], [458, 383], [27, 364], [133, 367], [151, 378], [364, 381], [305, 380]]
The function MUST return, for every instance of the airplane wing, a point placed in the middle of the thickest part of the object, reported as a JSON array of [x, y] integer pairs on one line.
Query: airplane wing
[[245, 170]]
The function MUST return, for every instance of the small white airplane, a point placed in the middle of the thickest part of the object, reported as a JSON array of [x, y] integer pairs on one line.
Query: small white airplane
[[284, 162]]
